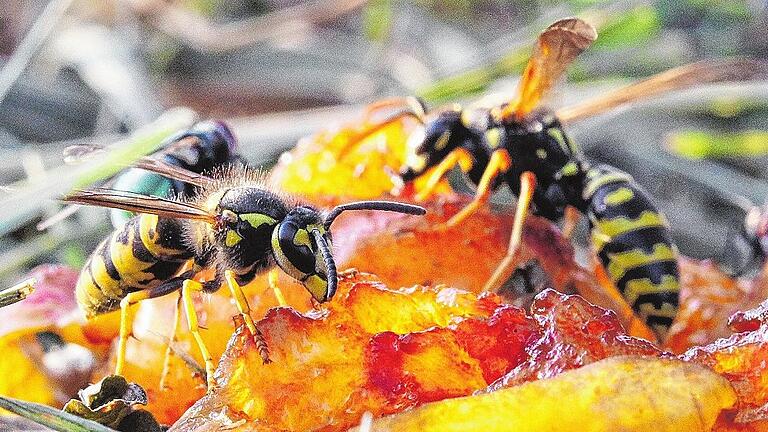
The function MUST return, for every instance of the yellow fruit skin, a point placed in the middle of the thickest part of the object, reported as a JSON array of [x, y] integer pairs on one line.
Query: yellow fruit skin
[[20, 376], [617, 394]]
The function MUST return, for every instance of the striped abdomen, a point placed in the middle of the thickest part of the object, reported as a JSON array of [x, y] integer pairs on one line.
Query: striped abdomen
[[634, 244], [143, 253]]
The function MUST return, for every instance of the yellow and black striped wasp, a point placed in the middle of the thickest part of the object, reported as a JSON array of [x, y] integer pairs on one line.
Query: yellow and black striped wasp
[[518, 144], [232, 224]]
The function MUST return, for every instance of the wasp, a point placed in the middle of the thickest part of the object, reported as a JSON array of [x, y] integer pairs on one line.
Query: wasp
[[519, 144], [233, 224], [204, 147]]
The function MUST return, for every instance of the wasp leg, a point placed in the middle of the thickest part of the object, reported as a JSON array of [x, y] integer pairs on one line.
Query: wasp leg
[[527, 186], [125, 318], [571, 218], [188, 287], [245, 312], [499, 163], [409, 101], [412, 108], [171, 341], [458, 156], [272, 276]]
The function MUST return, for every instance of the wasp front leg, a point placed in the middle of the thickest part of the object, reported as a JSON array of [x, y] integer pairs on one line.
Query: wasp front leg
[[245, 311], [410, 107], [527, 187], [499, 163], [459, 157], [273, 278]]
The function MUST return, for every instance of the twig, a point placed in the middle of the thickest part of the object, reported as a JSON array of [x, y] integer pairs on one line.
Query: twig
[[201, 34]]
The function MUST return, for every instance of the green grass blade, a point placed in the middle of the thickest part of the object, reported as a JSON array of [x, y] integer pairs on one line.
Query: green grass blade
[[697, 144], [51, 417]]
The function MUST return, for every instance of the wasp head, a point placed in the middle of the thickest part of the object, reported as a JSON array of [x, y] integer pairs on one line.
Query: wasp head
[[442, 133], [302, 248]]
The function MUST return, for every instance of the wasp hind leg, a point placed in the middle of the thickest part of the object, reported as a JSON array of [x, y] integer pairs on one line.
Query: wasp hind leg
[[527, 186], [570, 220], [245, 312], [499, 163], [126, 324]]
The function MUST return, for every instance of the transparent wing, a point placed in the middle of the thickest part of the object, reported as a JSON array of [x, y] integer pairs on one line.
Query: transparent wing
[[147, 163], [140, 204], [704, 72], [173, 172], [79, 153], [556, 48]]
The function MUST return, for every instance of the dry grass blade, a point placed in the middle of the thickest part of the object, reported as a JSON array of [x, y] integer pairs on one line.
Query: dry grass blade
[[206, 36], [17, 293]]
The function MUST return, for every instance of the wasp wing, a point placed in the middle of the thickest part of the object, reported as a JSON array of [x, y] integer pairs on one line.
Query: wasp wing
[[140, 204], [173, 172], [146, 163], [679, 78], [556, 48], [79, 153]]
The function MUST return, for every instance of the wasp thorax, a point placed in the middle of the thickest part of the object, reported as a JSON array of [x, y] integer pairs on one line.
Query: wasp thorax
[[301, 246], [247, 218]]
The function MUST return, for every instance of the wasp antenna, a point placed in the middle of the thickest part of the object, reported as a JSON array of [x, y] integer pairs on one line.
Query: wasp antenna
[[418, 106], [374, 205], [330, 264]]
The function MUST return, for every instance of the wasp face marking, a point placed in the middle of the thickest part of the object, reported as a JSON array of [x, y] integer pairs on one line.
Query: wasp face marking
[[232, 238], [298, 253]]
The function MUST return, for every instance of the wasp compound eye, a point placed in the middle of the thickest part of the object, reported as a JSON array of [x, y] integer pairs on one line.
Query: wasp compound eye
[[296, 253]]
